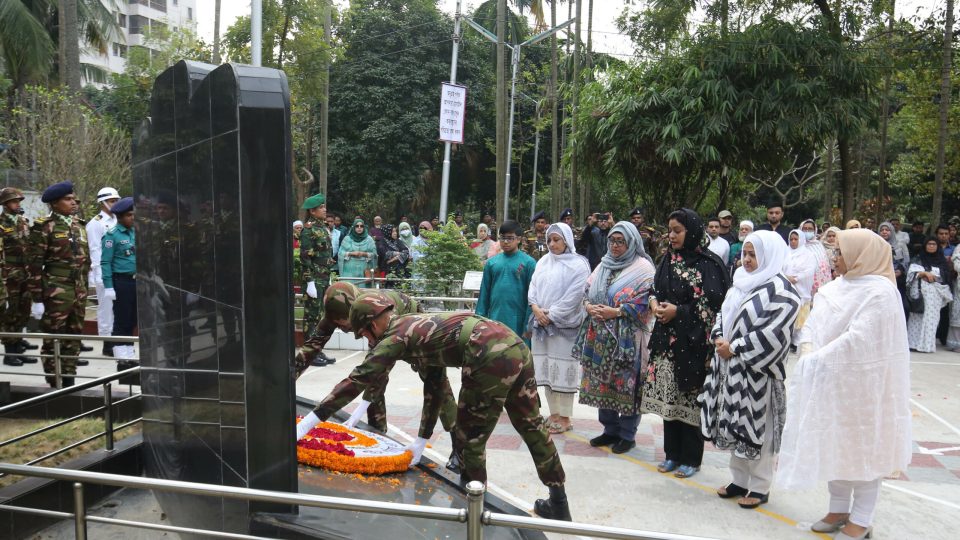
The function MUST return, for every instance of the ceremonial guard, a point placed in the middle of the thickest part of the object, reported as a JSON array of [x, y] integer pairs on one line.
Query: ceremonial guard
[[58, 259], [567, 217], [535, 239], [119, 265], [96, 229], [14, 231], [497, 374], [316, 257]]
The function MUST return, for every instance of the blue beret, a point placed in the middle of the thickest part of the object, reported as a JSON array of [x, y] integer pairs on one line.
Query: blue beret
[[538, 215], [122, 206], [566, 212], [57, 191]]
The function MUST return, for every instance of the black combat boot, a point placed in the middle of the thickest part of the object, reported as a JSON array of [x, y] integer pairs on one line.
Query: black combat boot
[[11, 356], [453, 462], [107, 348], [20, 349], [27, 346], [555, 507]]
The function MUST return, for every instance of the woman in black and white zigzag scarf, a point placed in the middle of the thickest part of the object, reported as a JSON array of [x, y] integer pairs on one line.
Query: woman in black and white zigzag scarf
[[743, 399]]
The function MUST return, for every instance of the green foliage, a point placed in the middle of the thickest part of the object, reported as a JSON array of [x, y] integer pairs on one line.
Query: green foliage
[[446, 257]]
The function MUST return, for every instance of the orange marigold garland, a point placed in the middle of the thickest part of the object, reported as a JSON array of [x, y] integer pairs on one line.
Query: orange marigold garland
[[338, 448]]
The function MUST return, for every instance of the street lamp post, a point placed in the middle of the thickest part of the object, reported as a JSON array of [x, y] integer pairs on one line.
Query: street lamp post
[[445, 178]]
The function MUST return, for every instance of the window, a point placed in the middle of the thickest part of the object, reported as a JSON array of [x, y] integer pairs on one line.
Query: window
[[120, 50], [189, 13], [138, 23], [159, 5], [122, 20]]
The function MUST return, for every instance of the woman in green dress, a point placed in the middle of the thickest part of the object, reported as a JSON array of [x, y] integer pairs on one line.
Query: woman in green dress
[[357, 257]]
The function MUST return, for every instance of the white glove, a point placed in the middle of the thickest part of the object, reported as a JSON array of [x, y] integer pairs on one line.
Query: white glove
[[109, 294], [192, 298], [357, 414], [97, 276], [416, 447], [311, 289], [36, 310], [306, 423]]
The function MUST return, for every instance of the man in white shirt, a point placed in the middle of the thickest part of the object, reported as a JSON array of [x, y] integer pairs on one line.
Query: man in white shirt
[[717, 244], [96, 228]]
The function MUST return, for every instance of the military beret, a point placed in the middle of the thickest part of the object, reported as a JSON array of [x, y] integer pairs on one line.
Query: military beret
[[567, 212], [314, 201], [122, 206], [366, 309], [538, 215], [458, 214], [338, 299], [636, 211], [57, 191]]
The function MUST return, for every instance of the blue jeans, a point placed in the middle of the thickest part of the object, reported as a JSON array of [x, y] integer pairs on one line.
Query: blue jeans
[[619, 425]]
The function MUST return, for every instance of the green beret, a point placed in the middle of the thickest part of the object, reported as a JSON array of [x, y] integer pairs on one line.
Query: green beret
[[314, 201]]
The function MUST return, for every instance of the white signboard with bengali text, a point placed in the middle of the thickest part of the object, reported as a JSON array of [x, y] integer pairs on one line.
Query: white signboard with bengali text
[[471, 280], [453, 109]]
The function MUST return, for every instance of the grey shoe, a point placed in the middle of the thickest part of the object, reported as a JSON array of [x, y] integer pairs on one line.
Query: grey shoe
[[866, 534], [824, 527]]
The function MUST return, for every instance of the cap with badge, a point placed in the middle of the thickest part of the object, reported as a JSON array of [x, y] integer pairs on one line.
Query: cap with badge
[[366, 309], [57, 191], [122, 206], [538, 216], [725, 214], [8, 194], [314, 201], [106, 194], [636, 212], [567, 212]]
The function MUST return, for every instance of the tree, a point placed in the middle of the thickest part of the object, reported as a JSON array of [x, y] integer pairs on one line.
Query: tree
[[215, 57], [446, 258], [945, 91], [69, 45]]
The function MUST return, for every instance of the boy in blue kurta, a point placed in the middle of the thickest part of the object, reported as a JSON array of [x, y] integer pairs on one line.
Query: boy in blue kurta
[[506, 278]]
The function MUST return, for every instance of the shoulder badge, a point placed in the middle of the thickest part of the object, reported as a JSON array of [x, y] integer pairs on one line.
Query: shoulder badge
[[98, 217]]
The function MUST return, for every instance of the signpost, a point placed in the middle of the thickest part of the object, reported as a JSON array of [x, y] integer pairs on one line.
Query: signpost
[[453, 107]]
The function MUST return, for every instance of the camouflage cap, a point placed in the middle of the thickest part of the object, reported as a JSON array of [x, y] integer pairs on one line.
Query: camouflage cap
[[366, 309], [8, 194], [338, 299]]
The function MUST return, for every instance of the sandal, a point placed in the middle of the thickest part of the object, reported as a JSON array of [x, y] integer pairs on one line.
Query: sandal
[[667, 465], [557, 428], [731, 490], [753, 500], [686, 471]]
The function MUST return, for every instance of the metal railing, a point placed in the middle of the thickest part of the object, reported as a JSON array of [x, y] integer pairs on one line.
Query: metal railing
[[58, 356], [474, 515]]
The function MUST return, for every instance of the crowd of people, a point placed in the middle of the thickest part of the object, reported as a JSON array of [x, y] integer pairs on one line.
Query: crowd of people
[[694, 323]]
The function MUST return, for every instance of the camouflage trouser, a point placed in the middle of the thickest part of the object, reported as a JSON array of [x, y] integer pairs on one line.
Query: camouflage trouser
[[312, 310], [64, 300], [377, 411], [17, 312], [491, 383]]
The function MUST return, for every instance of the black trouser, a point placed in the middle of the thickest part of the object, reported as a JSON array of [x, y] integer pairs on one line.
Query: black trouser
[[125, 306], [682, 443]]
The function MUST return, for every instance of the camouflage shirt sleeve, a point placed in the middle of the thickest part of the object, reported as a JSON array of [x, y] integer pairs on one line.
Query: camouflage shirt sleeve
[[34, 253], [373, 371], [434, 393], [313, 346]]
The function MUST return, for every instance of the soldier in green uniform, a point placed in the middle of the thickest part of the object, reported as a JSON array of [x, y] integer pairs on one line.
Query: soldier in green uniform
[[58, 260], [497, 373], [336, 306], [316, 257], [14, 231], [535, 239]]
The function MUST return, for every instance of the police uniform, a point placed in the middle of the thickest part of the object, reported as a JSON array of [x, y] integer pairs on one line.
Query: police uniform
[[14, 232], [577, 231], [534, 243], [119, 266], [58, 259], [316, 257], [96, 229]]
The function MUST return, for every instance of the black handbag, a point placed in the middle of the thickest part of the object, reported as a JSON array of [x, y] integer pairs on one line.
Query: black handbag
[[915, 304]]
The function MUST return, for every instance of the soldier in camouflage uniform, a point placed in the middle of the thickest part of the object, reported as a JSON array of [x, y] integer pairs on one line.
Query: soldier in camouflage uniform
[[316, 257], [497, 373], [14, 231], [58, 260], [336, 306], [535, 239]]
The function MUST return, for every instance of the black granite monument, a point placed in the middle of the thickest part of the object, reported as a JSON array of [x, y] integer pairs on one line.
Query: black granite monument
[[212, 184]]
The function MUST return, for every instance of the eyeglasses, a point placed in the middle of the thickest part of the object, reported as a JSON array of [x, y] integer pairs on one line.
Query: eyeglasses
[[509, 238], [616, 242]]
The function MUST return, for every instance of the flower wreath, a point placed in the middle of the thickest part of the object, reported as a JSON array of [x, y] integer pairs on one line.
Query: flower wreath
[[338, 448]]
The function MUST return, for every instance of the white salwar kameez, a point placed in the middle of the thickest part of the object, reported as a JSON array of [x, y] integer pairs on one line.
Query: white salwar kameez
[[922, 327], [848, 411], [953, 335]]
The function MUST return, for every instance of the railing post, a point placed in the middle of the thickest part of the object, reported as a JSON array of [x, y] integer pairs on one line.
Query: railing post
[[79, 511], [475, 510], [57, 372], [108, 415]]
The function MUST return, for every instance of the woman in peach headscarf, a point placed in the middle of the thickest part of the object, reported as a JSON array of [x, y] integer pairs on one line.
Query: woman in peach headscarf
[[848, 412]]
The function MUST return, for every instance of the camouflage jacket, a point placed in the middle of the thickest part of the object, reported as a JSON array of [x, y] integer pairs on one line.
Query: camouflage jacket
[[535, 245], [402, 305], [59, 250], [14, 234], [431, 342], [316, 252]]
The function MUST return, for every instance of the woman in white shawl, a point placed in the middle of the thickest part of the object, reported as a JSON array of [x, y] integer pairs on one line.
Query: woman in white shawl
[[824, 272], [953, 335], [928, 281], [612, 343], [556, 300], [848, 412], [800, 269], [743, 403]]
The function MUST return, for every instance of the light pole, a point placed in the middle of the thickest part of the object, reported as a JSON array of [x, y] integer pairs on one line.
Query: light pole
[[445, 178], [256, 31], [536, 158], [513, 88]]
